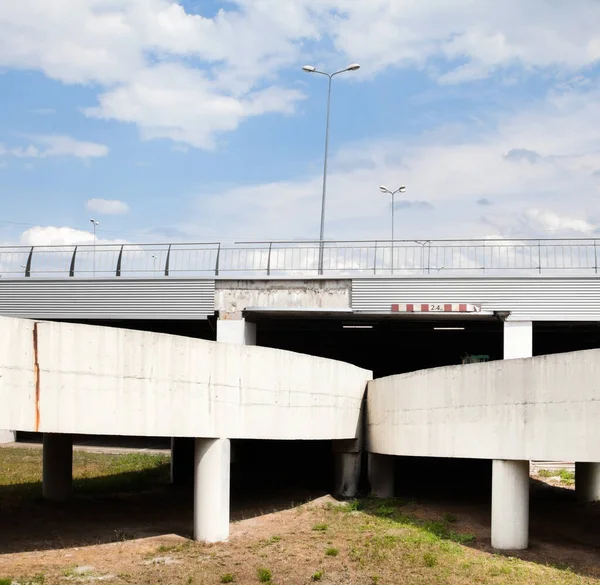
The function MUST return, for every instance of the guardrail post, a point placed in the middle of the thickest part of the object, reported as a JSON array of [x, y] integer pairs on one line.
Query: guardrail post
[[428, 257], [375, 259], [595, 258], [539, 257], [119, 260], [168, 260], [217, 262], [269, 259], [72, 267], [28, 265]]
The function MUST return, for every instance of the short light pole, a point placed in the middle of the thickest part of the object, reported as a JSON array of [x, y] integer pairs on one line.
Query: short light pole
[[400, 189], [155, 259], [94, 223], [330, 76]]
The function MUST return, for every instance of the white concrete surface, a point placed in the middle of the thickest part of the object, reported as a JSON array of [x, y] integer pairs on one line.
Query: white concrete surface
[[545, 408], [101, 380], [57, 467], [211, 489], [587, 481], [237, 331], [381, 475], [510, 505], [346, 474], [234, 296], [7, 437], [518, 339]]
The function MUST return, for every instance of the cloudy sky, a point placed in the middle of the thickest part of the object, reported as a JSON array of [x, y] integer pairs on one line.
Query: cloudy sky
[[193, 120]]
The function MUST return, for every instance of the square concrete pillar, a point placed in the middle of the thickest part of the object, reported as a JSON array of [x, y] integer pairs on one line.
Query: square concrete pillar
[[238, 331], [7, 437], [587, 481], [518, 339], [381, 475], [57, 467], [510, 505], [211, 490]]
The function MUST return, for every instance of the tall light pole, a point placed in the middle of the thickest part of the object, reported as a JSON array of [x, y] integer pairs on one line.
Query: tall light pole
[[330, 76], [94, 223], [400, 189]]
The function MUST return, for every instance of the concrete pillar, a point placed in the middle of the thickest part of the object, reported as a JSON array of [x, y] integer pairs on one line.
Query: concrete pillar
[[510, 504], [347, 466], [237, 331], [518, 339], [587, 481], [7, 437], [182, 460], [211, 490], [381, 475], [57, 467]]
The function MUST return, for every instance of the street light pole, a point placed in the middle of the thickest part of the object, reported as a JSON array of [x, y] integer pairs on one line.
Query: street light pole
[[400, 189], [330, 76], [94, 223]]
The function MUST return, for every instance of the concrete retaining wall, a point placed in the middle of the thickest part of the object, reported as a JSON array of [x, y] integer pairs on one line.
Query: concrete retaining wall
[[61, 377], [543, 408]]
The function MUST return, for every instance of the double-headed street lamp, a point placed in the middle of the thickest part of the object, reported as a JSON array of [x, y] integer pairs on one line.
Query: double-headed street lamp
[[400, 189], [330, 76]]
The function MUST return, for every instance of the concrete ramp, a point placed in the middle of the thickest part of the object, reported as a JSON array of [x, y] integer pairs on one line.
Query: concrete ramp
[[67, 378], [542, 408]]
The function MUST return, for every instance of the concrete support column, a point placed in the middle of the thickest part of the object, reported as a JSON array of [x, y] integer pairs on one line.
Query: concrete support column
[[510, 504], [238, 331], [182, 460], [587, 481], [347, 466], [518, 339], [7, 437], [211, 490], [57, 467], [381, 475]]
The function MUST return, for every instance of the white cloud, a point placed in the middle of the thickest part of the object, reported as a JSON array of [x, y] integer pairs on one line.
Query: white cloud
[[191, 78], [56, 146], [60, 236], [107, 206]]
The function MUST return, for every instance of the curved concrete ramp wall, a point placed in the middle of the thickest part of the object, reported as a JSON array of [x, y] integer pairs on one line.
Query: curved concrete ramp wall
[[66, 378], [544, 408]]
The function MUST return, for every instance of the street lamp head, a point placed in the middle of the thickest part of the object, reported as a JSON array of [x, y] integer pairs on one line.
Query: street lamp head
[[353, 67], [402, 188], [383, 189], [309, 68], [94, 221]]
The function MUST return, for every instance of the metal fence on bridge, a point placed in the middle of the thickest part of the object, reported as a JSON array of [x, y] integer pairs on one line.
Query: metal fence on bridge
[[495, 257]]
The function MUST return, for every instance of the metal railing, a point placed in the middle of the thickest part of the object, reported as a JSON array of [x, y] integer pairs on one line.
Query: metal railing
[[294, 258]]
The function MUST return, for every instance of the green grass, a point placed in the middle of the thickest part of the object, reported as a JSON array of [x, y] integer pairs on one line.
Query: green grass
[[320, 527], [317, 576], [332, 552], [264, 575], [429, 559], [227, 578], [5, 581], [564, 475]]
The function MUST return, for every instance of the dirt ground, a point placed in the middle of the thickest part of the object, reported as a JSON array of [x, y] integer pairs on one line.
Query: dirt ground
[[143, 537]]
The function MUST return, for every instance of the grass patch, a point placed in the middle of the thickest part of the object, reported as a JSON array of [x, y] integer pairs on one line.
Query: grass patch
[[227, 578], [264, 575], [330, 552], [430, 559], [5, 581], [564, 475], [317, 576], [320, 527]]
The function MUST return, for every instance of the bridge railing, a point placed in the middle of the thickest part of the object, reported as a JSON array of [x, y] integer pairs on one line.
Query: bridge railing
[[293, 258]]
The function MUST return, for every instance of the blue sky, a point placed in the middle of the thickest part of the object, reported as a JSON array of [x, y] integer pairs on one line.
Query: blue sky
[[194, 121]]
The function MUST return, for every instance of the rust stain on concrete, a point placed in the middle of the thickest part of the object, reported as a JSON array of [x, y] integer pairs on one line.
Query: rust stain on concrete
[[36, 376]]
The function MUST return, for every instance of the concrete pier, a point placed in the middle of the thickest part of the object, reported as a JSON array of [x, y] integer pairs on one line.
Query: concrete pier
[[587, 481], [211, 490], [381, 475], [57, 467], [510, 504]]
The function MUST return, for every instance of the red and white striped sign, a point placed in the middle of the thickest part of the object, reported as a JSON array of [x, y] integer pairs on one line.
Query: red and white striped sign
[[436, 308]]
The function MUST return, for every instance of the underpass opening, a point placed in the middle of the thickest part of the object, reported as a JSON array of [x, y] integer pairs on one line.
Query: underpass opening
[[386, 345]]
